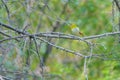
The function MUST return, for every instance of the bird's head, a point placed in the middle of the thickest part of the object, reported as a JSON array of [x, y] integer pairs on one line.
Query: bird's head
[[72, 26]]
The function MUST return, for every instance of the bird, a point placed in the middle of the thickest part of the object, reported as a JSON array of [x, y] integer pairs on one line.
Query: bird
[[75, 30]]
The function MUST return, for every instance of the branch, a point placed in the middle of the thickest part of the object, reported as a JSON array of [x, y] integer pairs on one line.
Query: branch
[[60, 35], [4, 34], [11, 28], [7, 10], [101, 35], [63, 36], [63, 49], [73, 37], [36, 46], [117, 4], [10, 38]]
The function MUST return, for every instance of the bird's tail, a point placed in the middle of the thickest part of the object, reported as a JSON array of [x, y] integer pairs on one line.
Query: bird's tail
[[81, 33]]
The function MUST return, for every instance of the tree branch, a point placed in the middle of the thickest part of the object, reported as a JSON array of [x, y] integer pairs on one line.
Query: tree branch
[[64, 36], [7, 10], [11, 28], [61, 48], [61, 35], [117, 4]]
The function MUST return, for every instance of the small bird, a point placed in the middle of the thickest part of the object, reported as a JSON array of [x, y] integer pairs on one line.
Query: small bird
[[75, 29]]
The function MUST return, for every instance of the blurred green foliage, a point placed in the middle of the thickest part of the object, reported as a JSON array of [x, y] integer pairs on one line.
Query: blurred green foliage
[[91, 16]]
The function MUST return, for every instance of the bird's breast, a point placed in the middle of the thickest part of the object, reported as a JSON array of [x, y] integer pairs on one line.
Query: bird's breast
[[75, 30]]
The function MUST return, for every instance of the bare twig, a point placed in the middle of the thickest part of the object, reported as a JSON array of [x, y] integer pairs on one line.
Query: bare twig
[[7, 35], [64, 36], [4, 34], [61, 48], [58, 35], [73, 37], [11, 28], [37, 51], [113, 15], [117, 4], [85, 68], [7, 10], [10, 38], [36, 46], [101, 35]]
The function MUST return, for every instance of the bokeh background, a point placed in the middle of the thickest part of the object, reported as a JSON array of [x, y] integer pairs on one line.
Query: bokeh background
[[93, 17]]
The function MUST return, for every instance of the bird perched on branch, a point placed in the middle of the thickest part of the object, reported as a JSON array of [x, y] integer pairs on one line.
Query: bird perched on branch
[[75, 30]]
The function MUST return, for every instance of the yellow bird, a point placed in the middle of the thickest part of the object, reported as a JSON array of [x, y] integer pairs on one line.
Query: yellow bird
[[75, 29]]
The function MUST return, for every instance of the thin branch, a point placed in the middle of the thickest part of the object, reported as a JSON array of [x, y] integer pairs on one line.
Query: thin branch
[[113, 15], [4, 34], [117, 4], [7, 10], [36, 46], [61, 48], [64, 36], [101, 35], [73, 37], [40, 58], [11, 28], [7, 35], [61, 35], [10, 38], [85, 68]]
